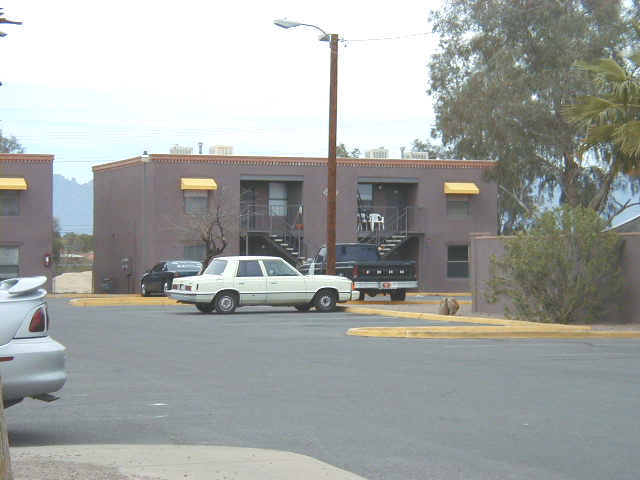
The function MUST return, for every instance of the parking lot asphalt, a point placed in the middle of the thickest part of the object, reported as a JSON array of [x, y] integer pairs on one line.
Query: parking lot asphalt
[[282, 381], [420, 306]]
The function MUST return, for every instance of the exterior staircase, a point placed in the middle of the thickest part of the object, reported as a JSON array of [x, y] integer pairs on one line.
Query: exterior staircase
[[388, 245], [289, 245]]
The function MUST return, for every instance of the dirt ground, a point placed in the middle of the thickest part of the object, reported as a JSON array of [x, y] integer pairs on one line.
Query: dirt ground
[[73, 282]]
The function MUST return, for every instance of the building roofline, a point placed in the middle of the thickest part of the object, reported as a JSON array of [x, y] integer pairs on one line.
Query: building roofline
[[626, 222], [26, 157], [297, 161]]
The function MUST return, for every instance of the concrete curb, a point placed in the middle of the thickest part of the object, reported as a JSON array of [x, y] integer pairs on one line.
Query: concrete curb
[[492, 328], [168, 462], [123, 301], [399, 302], [438, 294]]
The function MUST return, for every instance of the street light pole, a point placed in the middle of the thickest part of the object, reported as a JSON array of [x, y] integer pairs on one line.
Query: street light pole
[[333, 121], [331, 160]]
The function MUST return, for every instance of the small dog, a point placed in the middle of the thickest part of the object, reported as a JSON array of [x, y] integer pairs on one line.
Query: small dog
[[448, 306]]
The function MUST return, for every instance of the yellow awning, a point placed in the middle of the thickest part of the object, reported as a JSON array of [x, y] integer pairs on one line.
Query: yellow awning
[[13, 184], [469, 188], [198, 184]]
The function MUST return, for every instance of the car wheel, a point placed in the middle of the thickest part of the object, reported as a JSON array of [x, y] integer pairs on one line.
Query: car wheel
[[361, 296], [143, 290], [205, 307], [303, 308], [325, 301], [398, 296], [226, 302]]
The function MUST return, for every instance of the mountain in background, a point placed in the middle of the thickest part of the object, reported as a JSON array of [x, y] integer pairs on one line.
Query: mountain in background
[[73, 205]]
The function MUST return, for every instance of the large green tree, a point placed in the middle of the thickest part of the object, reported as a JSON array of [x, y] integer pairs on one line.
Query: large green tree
[[10, 145], [499, 80]]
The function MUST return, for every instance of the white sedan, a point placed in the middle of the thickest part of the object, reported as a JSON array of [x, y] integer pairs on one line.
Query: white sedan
[[230, 282], [32, 364]]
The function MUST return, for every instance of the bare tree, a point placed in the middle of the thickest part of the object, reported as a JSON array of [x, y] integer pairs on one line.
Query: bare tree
[[214, 226]]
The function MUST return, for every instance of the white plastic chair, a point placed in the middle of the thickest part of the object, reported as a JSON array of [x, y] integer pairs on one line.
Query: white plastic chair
[[375, 219], [362, 221]]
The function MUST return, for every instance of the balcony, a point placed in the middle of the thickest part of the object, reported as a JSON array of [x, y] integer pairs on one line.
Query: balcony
[[387, 220], [274, 218]]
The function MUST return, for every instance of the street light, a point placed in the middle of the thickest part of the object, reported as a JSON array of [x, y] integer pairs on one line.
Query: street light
[[332, 38]]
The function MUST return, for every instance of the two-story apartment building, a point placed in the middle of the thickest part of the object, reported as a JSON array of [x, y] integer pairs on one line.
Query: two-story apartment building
[[26, 215], [422, 210]]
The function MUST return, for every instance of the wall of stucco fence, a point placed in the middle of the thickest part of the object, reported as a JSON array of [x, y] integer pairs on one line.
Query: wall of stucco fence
[[483, 247]]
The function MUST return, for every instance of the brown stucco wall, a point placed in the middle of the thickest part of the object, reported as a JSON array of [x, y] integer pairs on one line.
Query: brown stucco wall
[[118, 200], [32, 230], [482, 248], [423, 181]]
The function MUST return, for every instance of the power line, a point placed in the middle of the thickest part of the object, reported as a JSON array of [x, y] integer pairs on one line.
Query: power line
[[380, 39]]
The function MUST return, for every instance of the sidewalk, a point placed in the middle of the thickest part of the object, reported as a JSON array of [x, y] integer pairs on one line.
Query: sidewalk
[[167, 462]]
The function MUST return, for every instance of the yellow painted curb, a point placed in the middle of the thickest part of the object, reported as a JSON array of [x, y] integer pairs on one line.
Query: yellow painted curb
[[492, 328], [456, 318], [439, 294], [397, 302], [87, 295], [484, 332], [118, 301]]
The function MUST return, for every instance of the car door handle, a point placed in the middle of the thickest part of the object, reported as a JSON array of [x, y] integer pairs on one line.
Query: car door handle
[[274, 283], [240, 283]]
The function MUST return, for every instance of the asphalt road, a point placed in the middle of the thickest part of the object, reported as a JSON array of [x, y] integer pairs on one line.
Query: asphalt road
[[381, 408]]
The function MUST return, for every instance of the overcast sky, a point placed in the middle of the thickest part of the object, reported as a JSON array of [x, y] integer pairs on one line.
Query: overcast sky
[[92, 85]]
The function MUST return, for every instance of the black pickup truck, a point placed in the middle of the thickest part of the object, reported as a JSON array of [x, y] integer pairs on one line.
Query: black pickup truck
[[361, 263]]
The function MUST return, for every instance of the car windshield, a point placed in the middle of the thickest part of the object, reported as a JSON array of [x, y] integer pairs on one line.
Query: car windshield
[[357, 253], [185, 266], [216, 267]]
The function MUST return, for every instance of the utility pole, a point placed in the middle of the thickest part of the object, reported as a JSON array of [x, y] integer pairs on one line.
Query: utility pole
[[331, 160]]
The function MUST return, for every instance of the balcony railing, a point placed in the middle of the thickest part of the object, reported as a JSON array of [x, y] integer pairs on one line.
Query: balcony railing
[[387, 219], [270, 218]]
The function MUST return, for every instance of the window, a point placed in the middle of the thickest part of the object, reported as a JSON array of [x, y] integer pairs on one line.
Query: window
[[196, 201], [195, 252], [249, 268], [9, 205], [457, 207], [279, 268], [458, 261], [357, 253], [365, 198], [216, 267], [277, 199], [9, 262], [365, 192]]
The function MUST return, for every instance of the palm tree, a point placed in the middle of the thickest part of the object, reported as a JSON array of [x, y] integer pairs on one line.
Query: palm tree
[[613, 118], [611, 121]]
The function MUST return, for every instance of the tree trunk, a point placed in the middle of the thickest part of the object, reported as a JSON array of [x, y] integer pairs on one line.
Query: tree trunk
[[570, 173], [5, 457]]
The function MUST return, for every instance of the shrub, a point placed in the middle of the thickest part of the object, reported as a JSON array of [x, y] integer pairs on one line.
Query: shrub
[[565, 269]]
